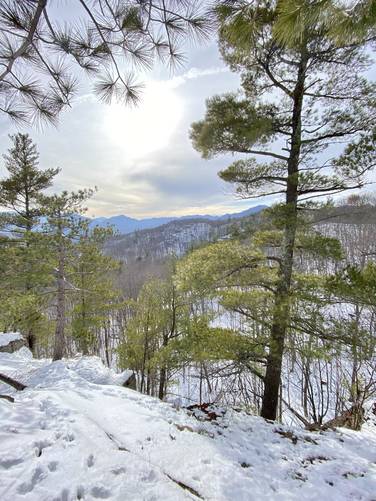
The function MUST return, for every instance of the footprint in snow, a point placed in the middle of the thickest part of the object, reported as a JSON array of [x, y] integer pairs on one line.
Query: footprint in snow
[[40, 446], [80, 492], [118, 470], [7, 463], [151, 476], [90, 461], [64, 496], [100, 492], [69, 437], [52, 466], [38, 475], [43, 424]]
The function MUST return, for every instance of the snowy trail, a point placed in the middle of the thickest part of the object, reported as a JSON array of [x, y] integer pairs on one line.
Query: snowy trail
[[73, 458], [76, 404], [68, 438]]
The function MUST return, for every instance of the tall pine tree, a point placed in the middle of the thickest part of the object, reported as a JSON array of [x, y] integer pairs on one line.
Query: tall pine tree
[[22, 269], [295, 102]]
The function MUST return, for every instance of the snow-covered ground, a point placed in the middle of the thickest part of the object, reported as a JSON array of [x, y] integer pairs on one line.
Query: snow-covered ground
[[74, 433]]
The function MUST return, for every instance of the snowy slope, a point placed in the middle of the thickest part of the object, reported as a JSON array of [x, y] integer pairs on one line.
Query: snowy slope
[[67, 437]]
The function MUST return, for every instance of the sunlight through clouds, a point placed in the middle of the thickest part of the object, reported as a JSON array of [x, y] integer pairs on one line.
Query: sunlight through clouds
[[148, 127]]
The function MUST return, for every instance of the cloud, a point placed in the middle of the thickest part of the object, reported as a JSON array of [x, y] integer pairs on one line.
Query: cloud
[[141, 158], [195, 73]]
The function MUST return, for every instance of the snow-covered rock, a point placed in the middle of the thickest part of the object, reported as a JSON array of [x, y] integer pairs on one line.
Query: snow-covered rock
[[93, 370], [11, 341], [74, 433]]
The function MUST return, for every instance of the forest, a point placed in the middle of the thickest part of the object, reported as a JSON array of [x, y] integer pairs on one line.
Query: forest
[[270, 316]]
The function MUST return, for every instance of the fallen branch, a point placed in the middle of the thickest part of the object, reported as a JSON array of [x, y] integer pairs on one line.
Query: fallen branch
[[7, 397], [296, 414], [352, 418], [12, 382]]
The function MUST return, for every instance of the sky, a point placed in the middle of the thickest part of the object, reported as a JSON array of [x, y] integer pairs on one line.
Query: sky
[[141, 158]]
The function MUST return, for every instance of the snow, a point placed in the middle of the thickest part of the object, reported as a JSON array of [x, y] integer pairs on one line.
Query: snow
[[93, 370], [8, 337], [74, 433]]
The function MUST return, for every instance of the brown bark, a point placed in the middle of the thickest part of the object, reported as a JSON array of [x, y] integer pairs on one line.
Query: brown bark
[[7, 397], [60, 316], [163, 371], [162, 383], [12, 382], [282, 308]]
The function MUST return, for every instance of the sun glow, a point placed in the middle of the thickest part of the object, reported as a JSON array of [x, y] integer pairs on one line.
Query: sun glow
[[148, 126]]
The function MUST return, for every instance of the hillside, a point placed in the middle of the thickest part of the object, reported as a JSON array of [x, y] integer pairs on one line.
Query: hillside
[[175, 237], [74, 433]]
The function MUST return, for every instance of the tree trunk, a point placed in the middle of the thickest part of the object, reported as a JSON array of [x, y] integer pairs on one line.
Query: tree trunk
[[281, 306], [30, 340], [355, 363], [106, 328], [60, 318], [30, 336], [84, 345], [163, 371], [162, 383]]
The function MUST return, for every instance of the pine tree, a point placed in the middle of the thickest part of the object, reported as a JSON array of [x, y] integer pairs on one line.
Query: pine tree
[[37, 51], [20, 191], [92, 274], [353, 21], [160, 317], [62, 230], [23, 272], [295, 102]]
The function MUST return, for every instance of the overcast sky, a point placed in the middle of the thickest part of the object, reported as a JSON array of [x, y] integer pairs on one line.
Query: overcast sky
[[141, 159]]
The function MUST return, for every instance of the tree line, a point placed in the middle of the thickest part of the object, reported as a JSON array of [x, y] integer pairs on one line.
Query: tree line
[[51, 261]]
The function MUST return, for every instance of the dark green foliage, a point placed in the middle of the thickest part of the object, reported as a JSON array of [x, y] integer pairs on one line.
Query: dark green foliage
[[24, 274], [351, 22], [20, 191], [232, 124]]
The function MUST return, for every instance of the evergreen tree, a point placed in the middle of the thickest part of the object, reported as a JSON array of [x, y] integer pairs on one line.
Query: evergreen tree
[[62, 231], [160, 317], [295, 102], [23, 273], [92, 274], [355, 285], [20, 191], [352, 21]]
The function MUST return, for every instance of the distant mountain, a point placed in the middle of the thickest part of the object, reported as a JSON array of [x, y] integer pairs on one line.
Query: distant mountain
[[125, 224]]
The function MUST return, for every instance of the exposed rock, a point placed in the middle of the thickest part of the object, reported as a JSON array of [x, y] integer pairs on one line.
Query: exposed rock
[[130, 382], [11, 342]]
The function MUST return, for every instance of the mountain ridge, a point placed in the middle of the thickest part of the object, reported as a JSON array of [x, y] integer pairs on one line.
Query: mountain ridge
[[125, 224]]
